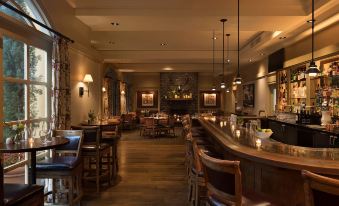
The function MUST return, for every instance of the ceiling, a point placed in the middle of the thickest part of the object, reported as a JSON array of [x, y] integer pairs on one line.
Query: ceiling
[[186, 28]]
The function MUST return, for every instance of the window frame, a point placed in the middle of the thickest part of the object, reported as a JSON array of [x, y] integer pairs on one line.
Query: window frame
[[30, 36]]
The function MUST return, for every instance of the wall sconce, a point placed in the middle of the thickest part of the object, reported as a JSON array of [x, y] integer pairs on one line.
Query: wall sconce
[[87, 79], [122, 92], [103, 89]]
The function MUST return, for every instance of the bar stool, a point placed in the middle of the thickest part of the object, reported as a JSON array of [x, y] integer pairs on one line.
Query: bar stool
[[96, 154], [223, 182], [111, 135], [66, 164], [320, 190]]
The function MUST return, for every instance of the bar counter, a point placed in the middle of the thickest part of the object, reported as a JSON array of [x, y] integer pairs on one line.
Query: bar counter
[[271, 168]]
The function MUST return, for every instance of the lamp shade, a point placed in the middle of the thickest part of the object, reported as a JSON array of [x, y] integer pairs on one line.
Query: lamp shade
[[88, 78], [312, 70]]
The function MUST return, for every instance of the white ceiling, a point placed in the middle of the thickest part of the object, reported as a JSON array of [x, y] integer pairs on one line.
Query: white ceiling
[[186, 26]]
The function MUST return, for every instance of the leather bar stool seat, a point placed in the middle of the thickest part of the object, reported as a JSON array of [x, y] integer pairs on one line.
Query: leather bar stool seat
[[59, 163], [23, 194]]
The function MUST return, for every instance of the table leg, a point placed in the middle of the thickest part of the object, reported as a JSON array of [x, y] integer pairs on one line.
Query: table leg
[[32, 178]]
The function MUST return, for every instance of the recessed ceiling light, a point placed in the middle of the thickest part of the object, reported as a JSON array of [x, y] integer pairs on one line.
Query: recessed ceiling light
[[167, 69], [310, 21], [262, 53], [215, 38], [282, 37], [250, 60], [163, 44]]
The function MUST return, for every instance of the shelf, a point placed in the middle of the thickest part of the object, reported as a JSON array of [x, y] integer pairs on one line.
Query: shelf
[[298, 97], [180, 99]]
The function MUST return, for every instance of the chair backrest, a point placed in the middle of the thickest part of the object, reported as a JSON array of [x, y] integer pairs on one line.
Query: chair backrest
[[196, 158], [223, 179], [320, 190], [91, 134], [149, 122], [75, 141]]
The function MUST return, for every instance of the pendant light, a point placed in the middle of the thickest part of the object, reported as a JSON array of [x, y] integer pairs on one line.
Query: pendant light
[[312, 69], [223, 85], [238, 78], [213, 84]]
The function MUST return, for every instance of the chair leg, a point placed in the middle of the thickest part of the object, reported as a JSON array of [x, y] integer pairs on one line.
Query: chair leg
[[70, 191], [197, 199], [97, 171]]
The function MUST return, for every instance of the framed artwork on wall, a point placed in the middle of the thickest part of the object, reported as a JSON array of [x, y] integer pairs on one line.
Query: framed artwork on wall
[[210, 100], [248, 91], [147, 100]]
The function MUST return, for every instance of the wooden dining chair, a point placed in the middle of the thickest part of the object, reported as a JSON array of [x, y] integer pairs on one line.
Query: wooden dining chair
[[320, 190], [150, 127], [96, 156], [66, 164]]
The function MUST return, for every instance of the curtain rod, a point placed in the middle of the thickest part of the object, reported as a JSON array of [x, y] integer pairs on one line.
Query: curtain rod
[[35, 21]]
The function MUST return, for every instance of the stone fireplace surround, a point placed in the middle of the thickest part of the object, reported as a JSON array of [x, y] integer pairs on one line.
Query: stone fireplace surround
[[170, 81]]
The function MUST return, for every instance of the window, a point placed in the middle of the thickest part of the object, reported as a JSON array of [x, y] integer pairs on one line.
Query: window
[[25, 87], [29, 8], [26, 66]]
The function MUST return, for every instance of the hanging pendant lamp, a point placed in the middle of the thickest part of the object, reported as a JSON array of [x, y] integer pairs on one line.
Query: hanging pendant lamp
[[312, 71], [238, 78], [223, 85], [213, 84]]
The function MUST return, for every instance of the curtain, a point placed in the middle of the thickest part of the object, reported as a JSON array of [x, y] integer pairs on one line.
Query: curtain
[[61, 91]]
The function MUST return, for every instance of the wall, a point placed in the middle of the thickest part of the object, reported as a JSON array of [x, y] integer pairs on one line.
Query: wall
[[142, 81], [326, 43], [151, 80], [81, 65], [83, 58]]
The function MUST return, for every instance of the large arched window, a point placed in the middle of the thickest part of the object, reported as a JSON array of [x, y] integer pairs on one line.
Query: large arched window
[[25, 56]]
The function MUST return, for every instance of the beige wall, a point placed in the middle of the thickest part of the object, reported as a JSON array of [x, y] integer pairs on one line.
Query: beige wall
[[326, 43], [142, 81], [81, 65]]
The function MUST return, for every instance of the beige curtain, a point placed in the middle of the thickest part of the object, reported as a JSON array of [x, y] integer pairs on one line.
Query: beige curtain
[[61, 93]]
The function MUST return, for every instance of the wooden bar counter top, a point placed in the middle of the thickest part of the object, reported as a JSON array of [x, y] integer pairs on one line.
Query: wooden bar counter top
[[268, 166]]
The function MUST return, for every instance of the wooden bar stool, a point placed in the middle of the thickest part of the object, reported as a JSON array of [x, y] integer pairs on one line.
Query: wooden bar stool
[[96, 156], [223, 182], [320, 190]]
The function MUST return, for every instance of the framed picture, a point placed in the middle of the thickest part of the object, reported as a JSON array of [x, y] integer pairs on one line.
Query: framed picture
[[210, 100], [248, 91], [147, 100]]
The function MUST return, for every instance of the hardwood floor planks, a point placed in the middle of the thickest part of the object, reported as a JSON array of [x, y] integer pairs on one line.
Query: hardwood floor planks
[[152, 173]]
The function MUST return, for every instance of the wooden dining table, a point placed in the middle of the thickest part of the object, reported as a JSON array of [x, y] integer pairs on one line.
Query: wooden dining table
[[32, 147]]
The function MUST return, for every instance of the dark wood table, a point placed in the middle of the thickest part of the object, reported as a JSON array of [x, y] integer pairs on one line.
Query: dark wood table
[[33, 147]]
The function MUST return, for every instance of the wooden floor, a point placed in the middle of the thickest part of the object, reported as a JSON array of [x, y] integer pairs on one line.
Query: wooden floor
[[151, 173]]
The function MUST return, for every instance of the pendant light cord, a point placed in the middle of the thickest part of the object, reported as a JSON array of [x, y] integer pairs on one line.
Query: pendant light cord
[[213, 38], [223, 50], [238, 37], [312, 30]]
